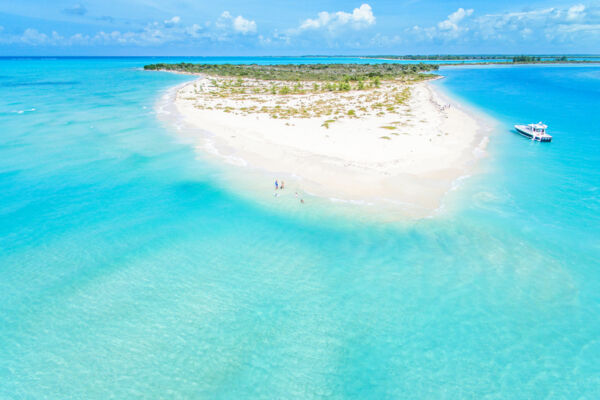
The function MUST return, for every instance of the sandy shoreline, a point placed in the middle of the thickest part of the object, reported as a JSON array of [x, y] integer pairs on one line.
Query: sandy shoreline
[[409, 157]]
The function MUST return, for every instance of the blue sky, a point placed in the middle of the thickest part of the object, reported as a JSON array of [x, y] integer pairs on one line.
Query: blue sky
[[251, 27]]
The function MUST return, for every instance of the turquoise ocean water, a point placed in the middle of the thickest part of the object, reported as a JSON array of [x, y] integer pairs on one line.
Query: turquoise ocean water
[[126, 272]]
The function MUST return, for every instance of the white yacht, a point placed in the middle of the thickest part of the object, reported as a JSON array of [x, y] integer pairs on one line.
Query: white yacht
[[534, 132]]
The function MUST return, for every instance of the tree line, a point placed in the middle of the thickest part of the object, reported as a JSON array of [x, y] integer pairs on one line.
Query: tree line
[[301, 72]]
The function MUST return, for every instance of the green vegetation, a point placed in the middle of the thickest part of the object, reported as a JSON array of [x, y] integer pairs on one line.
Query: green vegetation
[[537, 59], [350, 96], [401, 97], [341, 73], [440, 57], [326, 123], [526, 59], [466, 57], [490, 59]]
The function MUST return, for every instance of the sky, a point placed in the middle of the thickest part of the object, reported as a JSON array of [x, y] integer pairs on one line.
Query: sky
[[308, 27]]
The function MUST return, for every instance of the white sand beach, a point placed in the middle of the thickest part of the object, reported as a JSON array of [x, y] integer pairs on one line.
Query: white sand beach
[[399, 143]]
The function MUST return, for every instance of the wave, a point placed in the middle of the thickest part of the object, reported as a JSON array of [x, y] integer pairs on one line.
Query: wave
[[23, 111]]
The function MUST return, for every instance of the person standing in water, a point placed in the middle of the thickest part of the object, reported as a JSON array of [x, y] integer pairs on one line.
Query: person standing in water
[[282, 183], [276, 184]]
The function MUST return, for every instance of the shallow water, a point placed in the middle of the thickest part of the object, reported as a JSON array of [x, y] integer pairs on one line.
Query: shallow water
[[127, 271]]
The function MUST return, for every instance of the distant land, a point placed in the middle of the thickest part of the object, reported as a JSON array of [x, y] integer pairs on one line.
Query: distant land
[[503, 59], [483, 58]]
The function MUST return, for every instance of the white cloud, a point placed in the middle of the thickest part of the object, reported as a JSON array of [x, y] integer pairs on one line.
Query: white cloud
[[385, 41], [171, 30], [239, 24], [455, 25], [360, 17], [225, 16], [594, 28], [451, 23], [244, 26], [574, 23], [79, 39], [562, 24], [541, 24], [172, 22], [363, 14], [576, 12], [32, 37], [322, 20], [195, 30], [275, 39]]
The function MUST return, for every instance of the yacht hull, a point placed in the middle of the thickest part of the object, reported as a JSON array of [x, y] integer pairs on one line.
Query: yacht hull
[[522, 130]]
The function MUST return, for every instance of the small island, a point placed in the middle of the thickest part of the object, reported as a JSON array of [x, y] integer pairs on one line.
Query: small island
[[355, 132], [452, 59]]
